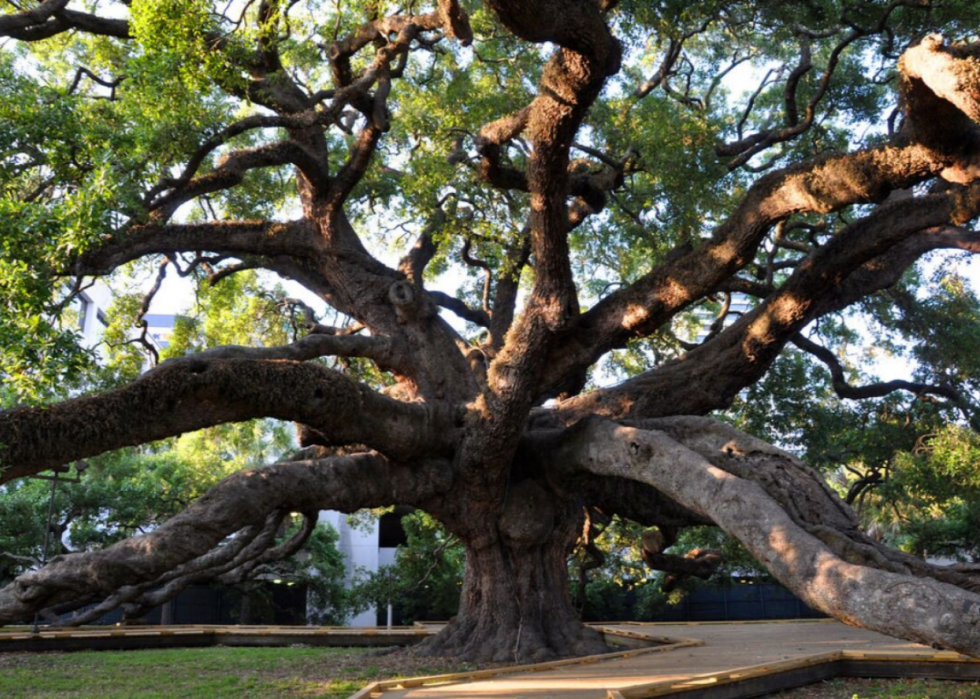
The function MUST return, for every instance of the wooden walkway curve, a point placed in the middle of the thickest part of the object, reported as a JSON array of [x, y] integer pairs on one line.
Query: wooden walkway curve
[[736, 660], [657, 660]]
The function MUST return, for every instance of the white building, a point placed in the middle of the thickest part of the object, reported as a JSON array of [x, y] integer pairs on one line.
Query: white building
[[93, 308], [366, 548], [93, 303], [160, 326], [740, 305]]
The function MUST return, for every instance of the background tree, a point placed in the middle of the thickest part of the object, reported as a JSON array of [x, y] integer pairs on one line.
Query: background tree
[[424, 582], [595, 176]]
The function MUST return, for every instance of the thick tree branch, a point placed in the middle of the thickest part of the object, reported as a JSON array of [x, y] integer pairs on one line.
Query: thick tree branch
[[33, 16], [804, 494], [834, 276], [238, 238], [951, 72], [245, 544], [245, 499], [249, 560], [822, 185], [51, 18], [190, 394], [916, 608], [571, 82]]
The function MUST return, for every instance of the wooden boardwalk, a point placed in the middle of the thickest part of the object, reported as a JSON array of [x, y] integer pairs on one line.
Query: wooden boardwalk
[[726, 646], [678, 660]]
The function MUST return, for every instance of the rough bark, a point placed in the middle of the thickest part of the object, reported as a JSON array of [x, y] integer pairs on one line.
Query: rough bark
[[515, 604], [190, 393], [829, 279]]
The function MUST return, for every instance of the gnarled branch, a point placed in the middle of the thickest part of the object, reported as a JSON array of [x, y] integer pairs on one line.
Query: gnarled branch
[[244, 500], [875, 596], [190, 394]]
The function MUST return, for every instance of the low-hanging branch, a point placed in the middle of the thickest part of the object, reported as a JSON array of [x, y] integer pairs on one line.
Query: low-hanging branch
[[239, 568], [867, 594], [188, 543], [191, 393]]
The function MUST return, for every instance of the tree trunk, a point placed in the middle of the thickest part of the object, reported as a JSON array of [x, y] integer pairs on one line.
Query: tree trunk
[[515, 607], [516, 604]]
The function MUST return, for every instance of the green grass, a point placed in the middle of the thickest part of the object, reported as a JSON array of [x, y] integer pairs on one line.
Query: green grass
[[884, 689], [205, 673]]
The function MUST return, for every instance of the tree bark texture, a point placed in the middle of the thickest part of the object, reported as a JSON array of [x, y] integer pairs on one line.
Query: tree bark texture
[[515, 607]]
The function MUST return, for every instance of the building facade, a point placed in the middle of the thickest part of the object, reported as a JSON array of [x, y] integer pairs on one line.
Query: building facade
[[366, 548]]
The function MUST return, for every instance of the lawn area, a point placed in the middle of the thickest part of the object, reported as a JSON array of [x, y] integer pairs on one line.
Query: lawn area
[[208, 673], [883, 689]]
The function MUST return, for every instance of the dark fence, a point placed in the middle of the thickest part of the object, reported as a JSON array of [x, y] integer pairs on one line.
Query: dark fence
[[740, 602], [278, 604]]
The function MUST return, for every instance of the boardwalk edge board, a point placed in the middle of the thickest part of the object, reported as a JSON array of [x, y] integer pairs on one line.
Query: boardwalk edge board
[[758, 680], [651, 644], [736, 683], [202, 635]]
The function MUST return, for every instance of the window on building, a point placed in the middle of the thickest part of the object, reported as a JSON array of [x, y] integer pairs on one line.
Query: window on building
[[390, 531], [83, 306]]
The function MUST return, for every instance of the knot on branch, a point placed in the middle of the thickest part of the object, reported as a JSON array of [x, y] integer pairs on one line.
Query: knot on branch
[[404, 296], [529, 515], [401, 293], [966, 204]]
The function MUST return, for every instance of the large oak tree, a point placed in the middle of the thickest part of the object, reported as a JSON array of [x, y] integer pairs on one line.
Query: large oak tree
[[598, 169]]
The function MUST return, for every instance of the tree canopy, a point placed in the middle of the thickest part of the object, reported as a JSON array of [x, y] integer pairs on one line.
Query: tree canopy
[[546, 240]]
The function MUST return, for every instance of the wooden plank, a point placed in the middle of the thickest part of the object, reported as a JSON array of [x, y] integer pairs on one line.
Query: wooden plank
[[366, 692], [944, 664], [941, 656], [671, 687], [536, 667]]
